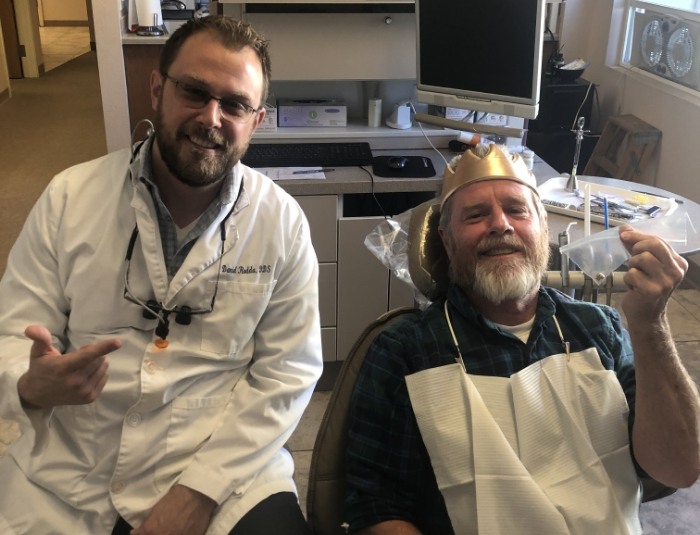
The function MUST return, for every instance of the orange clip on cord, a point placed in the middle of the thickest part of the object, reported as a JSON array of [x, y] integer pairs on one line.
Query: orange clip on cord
[[162, 330]]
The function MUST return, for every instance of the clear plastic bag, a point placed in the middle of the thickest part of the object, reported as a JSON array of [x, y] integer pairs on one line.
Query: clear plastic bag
[[389, 242], [598, 255]]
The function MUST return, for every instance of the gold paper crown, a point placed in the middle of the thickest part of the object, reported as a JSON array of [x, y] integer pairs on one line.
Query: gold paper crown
[[497, 164]]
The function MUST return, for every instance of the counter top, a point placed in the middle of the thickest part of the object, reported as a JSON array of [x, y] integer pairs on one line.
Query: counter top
[[133, 39], [361, 180]]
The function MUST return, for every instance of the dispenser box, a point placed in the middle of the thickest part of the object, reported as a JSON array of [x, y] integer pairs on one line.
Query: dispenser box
[[269, 123], [458, 114], [455, 114], [307, 112]]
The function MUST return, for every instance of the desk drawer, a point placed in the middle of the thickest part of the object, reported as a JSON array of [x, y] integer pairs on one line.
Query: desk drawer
[[322, 213], [327, 293], [328, 343]]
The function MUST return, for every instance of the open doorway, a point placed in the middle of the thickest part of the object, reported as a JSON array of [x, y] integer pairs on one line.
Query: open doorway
[[60, 44], [69, 33], [64, 30]]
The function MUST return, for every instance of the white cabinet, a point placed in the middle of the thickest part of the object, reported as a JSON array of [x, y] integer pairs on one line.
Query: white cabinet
[[337, 46], [351, 46], [322, 214], [354, 287], [366, 289]]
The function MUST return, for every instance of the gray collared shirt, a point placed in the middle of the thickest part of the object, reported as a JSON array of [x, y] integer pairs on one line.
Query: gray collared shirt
[[174, 256]]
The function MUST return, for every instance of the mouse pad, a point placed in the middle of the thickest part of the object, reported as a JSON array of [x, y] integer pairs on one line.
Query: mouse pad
[[416, 167]]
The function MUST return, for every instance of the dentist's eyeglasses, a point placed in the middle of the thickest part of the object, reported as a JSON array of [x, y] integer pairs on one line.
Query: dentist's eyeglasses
[[196, 97]]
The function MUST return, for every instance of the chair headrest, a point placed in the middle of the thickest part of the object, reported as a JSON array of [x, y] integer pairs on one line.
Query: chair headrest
[[427, 258]]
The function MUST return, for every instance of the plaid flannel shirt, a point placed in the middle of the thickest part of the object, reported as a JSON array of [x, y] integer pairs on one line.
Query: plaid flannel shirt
[[388, 469]]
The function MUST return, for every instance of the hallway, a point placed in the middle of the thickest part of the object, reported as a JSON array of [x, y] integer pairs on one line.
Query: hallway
[[60, 44]]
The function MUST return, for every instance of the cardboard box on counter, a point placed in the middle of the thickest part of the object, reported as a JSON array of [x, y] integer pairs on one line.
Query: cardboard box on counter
[[312, 112]]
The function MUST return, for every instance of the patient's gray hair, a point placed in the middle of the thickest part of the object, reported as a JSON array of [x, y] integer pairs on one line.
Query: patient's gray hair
[[446, 210]]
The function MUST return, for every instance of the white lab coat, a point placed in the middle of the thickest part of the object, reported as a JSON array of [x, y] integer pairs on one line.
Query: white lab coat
[[213, 410]]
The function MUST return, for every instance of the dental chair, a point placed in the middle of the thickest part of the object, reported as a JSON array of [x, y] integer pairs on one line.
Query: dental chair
[[428, 267]]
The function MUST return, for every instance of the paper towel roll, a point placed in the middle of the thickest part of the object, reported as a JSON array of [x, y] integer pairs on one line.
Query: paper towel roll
[[374, 112], [148, 13]]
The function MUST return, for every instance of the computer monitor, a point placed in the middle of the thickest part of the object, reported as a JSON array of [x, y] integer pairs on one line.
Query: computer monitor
[[481, 55]]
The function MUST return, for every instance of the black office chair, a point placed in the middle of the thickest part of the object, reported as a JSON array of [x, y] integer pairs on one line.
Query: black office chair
[[326, 493]]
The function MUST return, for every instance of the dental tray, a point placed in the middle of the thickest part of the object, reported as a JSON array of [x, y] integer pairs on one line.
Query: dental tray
[[558, 200]]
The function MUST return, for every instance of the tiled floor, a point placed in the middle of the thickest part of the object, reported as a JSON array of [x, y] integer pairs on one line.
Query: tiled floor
[[302, 442], [60, 44]]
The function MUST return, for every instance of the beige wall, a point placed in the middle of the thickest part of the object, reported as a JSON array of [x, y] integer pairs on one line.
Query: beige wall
[[585, 33], [63, 10]]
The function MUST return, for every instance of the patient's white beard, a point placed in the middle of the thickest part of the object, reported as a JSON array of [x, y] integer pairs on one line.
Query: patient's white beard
[[503, 281]]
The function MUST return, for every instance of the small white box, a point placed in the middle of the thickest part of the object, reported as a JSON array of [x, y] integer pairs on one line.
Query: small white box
[[269, 123], [495, 119], [456, 114], [305, 112]]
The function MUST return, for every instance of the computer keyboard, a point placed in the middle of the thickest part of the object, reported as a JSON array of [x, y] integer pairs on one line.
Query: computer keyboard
[[308, 154]]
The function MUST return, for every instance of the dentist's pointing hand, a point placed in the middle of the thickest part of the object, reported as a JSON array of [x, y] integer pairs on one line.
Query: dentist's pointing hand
[[53, 379]]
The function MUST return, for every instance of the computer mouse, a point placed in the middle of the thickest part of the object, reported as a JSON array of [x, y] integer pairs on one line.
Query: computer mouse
[[397, 162]]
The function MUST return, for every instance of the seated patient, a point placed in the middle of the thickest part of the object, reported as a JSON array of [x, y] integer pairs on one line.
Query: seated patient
[[507, 407]]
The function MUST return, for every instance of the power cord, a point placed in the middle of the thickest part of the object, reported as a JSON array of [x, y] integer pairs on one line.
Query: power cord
[[591, 85], [585, 97], [374, 196], [597, 108], [134, 146], [420, 125]]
